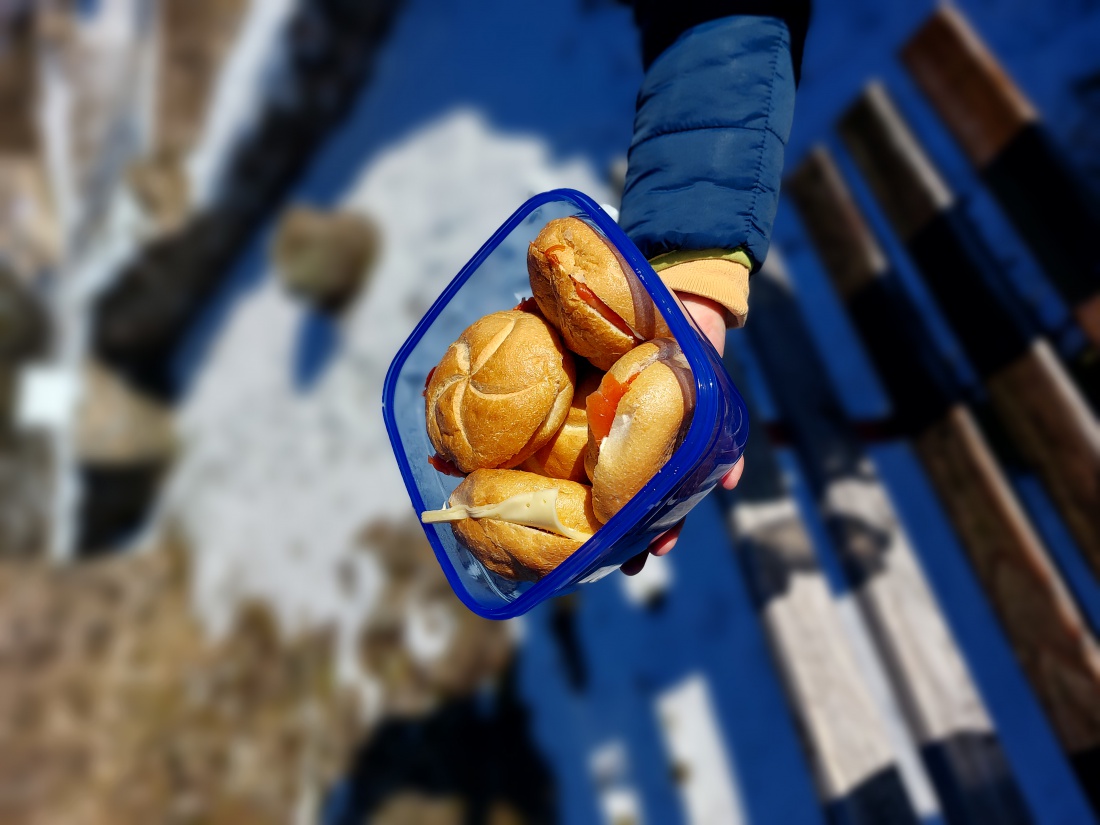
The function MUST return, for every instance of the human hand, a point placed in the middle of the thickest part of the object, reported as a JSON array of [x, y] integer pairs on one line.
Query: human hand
[[711, 320]]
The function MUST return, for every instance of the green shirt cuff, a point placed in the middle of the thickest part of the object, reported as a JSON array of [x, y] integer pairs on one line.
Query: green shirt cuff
[[683, 256]]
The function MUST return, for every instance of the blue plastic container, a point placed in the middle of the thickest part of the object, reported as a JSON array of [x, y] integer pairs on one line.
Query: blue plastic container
[[496, 279]]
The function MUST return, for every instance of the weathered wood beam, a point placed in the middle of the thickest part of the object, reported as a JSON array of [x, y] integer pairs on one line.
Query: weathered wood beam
[[1003, 135], [1052, 643], [942, 707], [853, 760], [1029, 389]]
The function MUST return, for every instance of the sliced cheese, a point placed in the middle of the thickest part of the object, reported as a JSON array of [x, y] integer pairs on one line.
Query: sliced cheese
[[537, 509]]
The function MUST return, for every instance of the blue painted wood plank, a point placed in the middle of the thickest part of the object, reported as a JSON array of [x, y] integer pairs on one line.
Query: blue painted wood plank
[[1037, 760]]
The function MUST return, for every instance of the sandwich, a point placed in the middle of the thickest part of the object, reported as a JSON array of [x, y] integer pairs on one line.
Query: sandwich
[[501, 392], [589, 294], [518, 525], [636, 420], [563, 455]]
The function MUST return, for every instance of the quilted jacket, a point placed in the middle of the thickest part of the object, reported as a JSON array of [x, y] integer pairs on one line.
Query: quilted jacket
[[713, 116]]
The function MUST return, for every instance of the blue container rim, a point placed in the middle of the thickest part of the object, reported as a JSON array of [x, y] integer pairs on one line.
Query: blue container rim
[[696, 444]]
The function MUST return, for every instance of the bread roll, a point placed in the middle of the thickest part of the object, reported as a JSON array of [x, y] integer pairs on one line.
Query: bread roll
[[563, 455], [636, 420], [500, 535], [500, 393], [582, 288]]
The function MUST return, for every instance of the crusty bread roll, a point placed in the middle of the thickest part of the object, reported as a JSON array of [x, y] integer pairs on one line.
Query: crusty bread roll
[[563, 455], [514, 550], [582, 288], [501, 391], [636, 420]]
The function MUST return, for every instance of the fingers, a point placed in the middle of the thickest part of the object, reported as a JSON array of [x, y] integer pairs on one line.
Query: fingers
[[709, 315], [633, 566], [730, 479], [660, 545], [667, 540]]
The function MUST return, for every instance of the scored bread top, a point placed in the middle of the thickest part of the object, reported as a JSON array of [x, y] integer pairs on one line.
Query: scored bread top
[[500, 392], [649, 421], [567, 253], [512, 550]]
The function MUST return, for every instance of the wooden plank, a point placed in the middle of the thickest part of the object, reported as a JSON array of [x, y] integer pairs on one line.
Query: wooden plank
[[693, 739], [938, 697], [1054, 648], [854, 766], [1054, 429], [1052, 643], [1002, 134], [889, 156], [975, 97], [1044, 414]]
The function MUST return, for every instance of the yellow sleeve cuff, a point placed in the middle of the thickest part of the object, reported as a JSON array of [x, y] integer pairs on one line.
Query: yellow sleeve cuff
[[717, 278]]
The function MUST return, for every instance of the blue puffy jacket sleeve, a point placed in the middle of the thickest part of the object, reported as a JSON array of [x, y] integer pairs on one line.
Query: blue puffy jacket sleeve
[[713, 116]]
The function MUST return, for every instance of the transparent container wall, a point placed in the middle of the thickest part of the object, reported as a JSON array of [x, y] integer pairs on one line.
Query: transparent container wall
[[499, 283]]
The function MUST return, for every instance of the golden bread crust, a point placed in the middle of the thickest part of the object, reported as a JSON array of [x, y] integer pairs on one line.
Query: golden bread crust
[[649, 423], [500, 392], [568, 251], [511, 550], [563, 455]]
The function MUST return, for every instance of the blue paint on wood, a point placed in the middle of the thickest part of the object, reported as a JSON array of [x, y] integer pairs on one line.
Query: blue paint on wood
[[1075, 570], [1036, 758]]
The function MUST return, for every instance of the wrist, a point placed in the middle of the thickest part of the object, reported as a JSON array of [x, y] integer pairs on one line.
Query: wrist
[[718, 280], [709, 316]]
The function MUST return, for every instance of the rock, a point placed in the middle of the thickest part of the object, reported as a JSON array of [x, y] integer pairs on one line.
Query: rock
[[324, 257], [160, 185], [124, 443], [118, 426]]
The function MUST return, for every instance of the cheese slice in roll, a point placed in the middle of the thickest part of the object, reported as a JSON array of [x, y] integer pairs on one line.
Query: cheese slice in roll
[[519, 525]]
